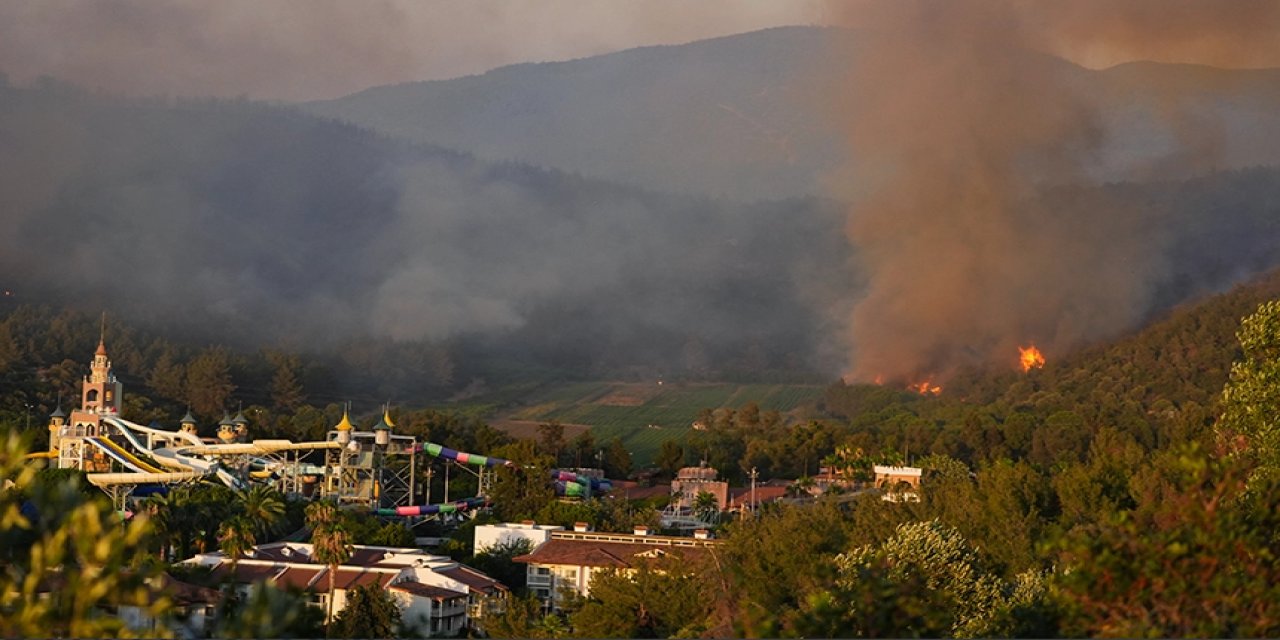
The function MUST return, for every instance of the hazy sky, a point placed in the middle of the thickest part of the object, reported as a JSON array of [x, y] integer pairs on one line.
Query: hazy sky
[[311, 49]]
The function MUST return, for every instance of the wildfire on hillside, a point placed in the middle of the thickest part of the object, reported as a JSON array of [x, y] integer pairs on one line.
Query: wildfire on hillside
[[1030, 358]]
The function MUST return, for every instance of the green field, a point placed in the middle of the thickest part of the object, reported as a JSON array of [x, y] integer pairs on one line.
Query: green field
[[646, 414]]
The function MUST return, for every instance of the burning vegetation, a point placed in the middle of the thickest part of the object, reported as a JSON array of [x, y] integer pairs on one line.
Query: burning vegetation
[[1031, 358], [925, 388]]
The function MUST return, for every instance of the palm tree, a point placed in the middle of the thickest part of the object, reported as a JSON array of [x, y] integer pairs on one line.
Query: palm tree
[[263, 508], [163, 521], [322, 512], [236, 538], [174, 518], [330, 545], [705, 505]]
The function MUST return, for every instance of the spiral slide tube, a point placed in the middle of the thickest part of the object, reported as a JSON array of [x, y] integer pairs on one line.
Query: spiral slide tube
[[597, 484], [441, 451], [431, 509]]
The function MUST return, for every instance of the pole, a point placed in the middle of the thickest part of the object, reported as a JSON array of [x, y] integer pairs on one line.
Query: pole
[[753, 490]]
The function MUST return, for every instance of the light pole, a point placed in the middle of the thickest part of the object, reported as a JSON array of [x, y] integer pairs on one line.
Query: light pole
[[381, 439]]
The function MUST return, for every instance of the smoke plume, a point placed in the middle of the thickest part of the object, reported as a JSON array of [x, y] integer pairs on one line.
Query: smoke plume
[[968, 129]]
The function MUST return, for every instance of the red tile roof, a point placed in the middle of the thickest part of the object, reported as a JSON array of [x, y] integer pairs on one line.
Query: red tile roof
[[642, 493], [427, 590], [300, 578], [764, 493], [185, 594], [474, 579], [351, 578], [245, 573]]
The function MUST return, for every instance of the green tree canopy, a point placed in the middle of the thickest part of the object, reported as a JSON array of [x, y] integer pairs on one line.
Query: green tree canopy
[[1251, 399], [369, 613]]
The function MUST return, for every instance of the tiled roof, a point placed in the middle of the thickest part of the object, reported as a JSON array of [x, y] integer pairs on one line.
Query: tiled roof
[[360, 556], [590, 553], [474, 579], [427, 590], [642, 493], [184, 594], [281, 553], [298, 578], [245, 573], [764, 493], [351, 578], [365, 557]]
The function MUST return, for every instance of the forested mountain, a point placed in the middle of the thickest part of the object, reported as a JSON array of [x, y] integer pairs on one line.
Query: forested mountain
[[255, 223], [241, 223], [753, 115]]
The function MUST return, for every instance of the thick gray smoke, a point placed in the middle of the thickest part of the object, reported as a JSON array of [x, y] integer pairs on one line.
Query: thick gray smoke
[[964, 127], [263, 223]]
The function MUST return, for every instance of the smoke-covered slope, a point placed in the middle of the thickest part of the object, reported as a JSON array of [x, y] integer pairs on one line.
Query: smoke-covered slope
[[255, 223], [260, 223], [750, 116]]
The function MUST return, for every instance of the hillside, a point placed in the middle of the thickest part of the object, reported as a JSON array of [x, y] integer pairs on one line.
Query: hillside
[[728, 116], [243, 223], [246, 224], [744, 116], [1160, 386]]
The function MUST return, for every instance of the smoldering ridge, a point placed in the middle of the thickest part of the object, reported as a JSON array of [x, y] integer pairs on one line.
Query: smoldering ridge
[[966, 258]]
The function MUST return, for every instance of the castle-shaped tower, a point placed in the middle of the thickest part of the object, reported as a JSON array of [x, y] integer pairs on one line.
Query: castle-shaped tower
[[100, 393]]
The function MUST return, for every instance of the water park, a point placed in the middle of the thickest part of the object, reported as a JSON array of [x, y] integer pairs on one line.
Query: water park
[[376, 470]]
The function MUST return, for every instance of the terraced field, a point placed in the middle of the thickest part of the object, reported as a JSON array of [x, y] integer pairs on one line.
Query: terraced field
[[646, 414]]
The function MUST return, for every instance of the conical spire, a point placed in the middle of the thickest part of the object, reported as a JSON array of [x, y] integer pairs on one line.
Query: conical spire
[[102, 337], [345, 424]]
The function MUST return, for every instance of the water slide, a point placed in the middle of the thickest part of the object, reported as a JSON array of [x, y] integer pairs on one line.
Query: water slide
[[128, 429], [440, 451], [566, 482], [186, 466], [185, 449], [110, 479], [569, 478], [119, 454], [431, 509]]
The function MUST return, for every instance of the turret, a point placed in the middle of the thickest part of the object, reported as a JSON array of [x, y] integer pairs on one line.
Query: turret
[[188, 423], [57, 420], [382, 430], [226, 429], [241, 425], [344, 429]]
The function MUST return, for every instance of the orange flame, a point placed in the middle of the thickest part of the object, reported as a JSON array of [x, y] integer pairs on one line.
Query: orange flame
[[925, 388], [1031, 358], [879, 380]]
